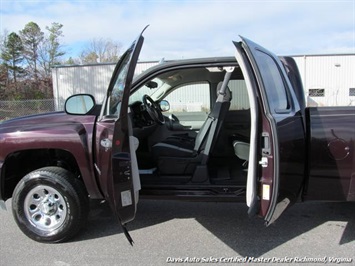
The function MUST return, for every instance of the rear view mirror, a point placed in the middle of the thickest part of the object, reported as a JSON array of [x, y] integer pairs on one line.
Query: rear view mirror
[[164, 106], [151, 84], [79, 104]]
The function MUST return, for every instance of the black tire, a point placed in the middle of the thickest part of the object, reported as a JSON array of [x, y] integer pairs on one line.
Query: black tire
[[50, 205]]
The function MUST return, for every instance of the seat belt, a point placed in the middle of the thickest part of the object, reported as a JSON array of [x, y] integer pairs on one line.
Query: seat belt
[[216, 115], [203, 133], [208, 145]]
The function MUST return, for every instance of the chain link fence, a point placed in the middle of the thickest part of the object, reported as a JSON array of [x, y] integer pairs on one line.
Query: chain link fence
[[12, 109]]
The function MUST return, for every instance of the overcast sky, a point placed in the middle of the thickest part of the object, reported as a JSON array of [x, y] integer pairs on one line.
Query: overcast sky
[[184, 29]]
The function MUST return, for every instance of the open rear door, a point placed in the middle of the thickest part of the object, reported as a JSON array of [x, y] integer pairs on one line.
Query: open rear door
[[276, 166], [116, 161]]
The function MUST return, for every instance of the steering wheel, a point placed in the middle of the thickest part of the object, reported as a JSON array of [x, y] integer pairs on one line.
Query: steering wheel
[[153, 110]]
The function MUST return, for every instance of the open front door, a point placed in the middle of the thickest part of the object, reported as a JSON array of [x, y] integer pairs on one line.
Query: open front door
[[115, 159], [277, 163]]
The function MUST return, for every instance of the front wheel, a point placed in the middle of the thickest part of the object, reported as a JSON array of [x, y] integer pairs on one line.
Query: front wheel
[[50, 205]]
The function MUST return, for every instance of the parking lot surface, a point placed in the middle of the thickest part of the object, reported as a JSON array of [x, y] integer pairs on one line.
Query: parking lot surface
[[169, 232]]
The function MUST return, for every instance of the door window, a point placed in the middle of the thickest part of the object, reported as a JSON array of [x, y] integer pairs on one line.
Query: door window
[[275, 88], [118, 88]]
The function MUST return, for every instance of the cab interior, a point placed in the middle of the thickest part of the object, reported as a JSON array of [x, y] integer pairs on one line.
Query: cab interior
[[189, 97]]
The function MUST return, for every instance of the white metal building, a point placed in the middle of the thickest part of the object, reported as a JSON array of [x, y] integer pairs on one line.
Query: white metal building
[[328, 80], [93, 79]]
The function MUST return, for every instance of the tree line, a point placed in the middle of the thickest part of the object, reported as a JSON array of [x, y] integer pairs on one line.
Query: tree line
[[27, 58]]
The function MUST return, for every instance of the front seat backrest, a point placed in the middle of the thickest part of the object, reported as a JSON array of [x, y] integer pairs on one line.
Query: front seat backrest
[[221, 106]]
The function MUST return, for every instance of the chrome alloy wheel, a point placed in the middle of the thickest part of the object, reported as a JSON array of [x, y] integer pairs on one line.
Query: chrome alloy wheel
[[45, 208]]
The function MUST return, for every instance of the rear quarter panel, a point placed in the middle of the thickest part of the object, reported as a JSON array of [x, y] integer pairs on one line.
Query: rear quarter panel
[[331, 147]]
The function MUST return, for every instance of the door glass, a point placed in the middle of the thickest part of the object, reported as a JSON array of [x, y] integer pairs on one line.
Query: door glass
[[117, 91], [273, 83]]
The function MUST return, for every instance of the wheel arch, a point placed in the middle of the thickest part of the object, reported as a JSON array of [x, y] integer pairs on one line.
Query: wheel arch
[[20, 163]]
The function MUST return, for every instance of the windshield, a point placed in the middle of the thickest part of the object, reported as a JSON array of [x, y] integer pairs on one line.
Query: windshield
[[155, 92]]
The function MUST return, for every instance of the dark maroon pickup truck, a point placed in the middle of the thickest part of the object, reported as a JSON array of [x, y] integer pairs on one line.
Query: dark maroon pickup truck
[[233, 128]]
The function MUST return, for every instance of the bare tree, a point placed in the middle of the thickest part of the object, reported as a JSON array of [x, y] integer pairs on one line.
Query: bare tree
[[100, 51]]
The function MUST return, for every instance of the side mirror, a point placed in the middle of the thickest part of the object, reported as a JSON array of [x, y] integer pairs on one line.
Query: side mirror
[[79, 104], [164, 106]]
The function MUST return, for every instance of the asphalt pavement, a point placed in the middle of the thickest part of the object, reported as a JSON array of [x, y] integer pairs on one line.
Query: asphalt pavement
[[172, 232]]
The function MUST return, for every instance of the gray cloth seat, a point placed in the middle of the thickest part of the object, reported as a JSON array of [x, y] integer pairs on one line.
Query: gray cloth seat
[[189, 148]]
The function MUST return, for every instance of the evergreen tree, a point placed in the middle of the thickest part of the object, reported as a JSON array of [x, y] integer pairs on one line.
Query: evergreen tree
[[32, 38], [12, 56], [50, 51]]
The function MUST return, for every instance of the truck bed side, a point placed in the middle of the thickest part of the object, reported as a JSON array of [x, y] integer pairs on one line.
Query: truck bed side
[[331, 147]]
